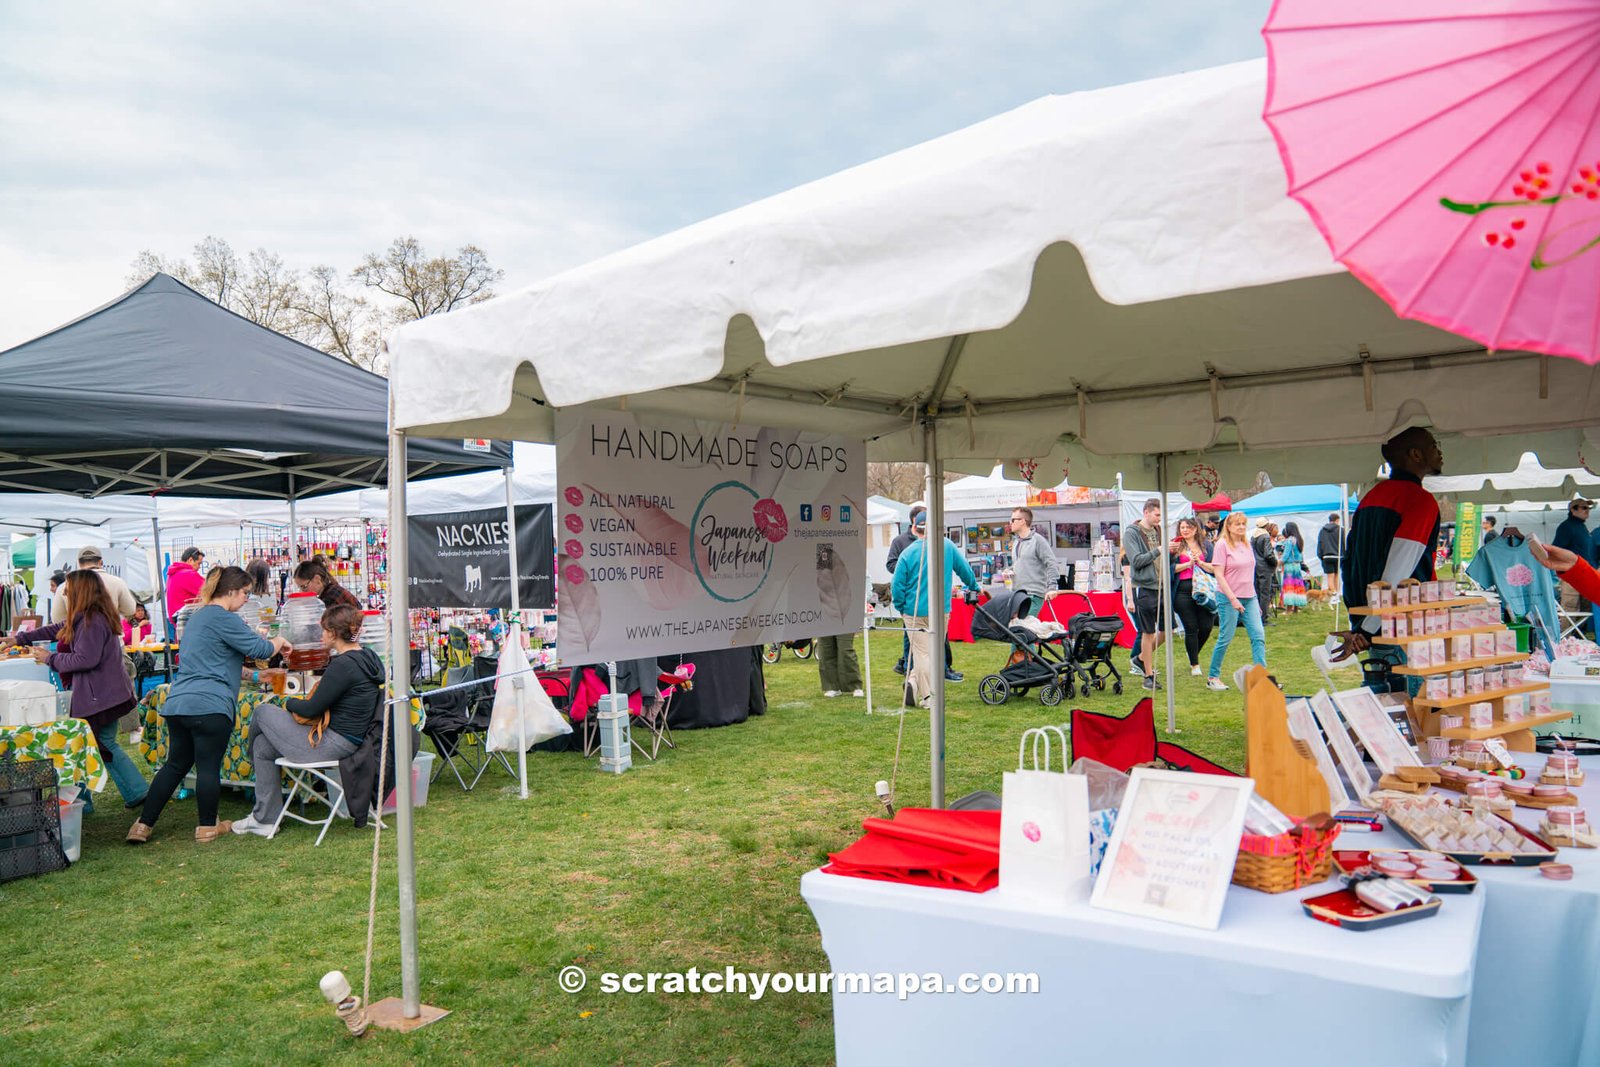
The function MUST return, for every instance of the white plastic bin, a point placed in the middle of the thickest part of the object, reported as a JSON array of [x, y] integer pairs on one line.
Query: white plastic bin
[[1575, 687], [72, 830], [421, 772]]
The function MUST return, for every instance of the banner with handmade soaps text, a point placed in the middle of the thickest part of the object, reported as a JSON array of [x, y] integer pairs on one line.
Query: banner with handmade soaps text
[[679, 536]]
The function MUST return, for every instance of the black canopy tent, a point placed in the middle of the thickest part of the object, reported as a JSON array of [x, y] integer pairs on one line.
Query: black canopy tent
[[162, 390]]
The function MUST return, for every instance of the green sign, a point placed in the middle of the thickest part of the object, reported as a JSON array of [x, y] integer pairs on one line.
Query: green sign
[[1468, 530]]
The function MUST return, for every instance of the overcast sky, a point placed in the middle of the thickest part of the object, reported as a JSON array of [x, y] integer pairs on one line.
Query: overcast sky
[[546, 134]]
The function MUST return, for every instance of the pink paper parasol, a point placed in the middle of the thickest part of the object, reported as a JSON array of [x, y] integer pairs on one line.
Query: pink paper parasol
[[1449, 151]]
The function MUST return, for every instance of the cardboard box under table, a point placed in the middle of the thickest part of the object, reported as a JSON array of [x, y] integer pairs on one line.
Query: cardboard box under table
[[1115, 989]]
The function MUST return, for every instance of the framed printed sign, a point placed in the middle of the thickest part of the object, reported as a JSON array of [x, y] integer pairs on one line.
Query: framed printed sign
[[1174, 846], [1338, 735], [1376, 731]]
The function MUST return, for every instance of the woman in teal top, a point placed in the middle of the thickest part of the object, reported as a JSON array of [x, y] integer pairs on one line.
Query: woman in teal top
[[200, 705], [910, 596]]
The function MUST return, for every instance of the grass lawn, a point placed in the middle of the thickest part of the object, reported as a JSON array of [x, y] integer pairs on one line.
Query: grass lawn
[[185, 953]]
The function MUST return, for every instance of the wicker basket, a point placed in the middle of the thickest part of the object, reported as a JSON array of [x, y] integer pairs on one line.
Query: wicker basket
[[1301, 857]]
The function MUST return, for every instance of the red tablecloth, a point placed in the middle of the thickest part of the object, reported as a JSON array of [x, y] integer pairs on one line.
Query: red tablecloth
[[1058, 608]]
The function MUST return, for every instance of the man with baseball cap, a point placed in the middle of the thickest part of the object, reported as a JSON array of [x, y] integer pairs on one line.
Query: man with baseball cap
[[907, 538], [89, 560], [184, 582], [1574, 536]]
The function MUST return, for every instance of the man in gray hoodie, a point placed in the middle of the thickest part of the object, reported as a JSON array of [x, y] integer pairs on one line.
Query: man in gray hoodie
[[1141, 543], [1034, 563]]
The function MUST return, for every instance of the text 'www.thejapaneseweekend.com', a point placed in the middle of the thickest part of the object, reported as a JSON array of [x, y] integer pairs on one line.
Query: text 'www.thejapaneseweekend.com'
[[756, 984]]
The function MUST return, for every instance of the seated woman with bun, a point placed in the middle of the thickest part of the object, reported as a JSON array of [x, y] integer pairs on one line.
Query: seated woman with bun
[[329, 724]]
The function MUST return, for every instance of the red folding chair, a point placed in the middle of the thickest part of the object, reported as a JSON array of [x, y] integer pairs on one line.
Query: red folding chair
[[1127, 741]]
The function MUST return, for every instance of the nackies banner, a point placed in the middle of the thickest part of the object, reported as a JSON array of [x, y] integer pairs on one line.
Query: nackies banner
[[460, 559], [679, 536]]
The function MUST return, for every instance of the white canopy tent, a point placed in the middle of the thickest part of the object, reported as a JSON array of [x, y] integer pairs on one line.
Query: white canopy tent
[[1094, 281], [1528, 483]]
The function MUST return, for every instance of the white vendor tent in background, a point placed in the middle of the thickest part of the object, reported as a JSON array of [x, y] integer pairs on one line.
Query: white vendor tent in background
[[1307, 506], [1528, 483], [885, 519], [121, 525], [1102, 282]]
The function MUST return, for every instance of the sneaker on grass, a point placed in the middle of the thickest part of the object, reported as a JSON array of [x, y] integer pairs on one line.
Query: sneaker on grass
[[830, 692], [1151, 682], [1216, 685], [249, 825]]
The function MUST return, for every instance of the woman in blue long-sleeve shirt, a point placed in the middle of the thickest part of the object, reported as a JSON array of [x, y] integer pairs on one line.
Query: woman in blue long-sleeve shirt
[[910, 594], [200, 705]]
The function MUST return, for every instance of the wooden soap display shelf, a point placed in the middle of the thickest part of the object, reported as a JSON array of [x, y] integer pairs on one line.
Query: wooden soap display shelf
[[1425, 713], [1402, 609]]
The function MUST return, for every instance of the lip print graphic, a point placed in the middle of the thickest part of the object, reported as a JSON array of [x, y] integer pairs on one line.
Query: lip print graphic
[[771, 520], [574, 495], [1030, 830], [573, 547], [575, 523]]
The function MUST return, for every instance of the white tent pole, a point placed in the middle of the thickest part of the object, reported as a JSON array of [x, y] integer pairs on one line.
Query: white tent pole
[[294, 529], [938, 602], [1166, 586], [161, 580], [866, 654], [514, 628], [399, 676], [1344, 534]]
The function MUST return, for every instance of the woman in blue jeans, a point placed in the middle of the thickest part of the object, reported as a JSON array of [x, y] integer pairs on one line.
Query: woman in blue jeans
[[201, 702], [88, 657], [1233, 561]]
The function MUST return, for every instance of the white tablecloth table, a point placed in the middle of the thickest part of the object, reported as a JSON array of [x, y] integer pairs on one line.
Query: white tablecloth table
[[1270, 986], [1536, 998]]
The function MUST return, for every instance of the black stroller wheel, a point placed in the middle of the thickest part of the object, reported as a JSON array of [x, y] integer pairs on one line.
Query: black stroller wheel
[[770, 653], [1116, 688], [803, 650], [1051, 695], [994, 689]]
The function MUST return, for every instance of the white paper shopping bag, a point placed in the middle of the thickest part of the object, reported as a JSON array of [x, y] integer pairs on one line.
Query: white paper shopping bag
[[1044, 826]]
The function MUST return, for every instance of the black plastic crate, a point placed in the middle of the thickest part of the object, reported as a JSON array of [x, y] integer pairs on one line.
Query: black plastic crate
[[30, 819]]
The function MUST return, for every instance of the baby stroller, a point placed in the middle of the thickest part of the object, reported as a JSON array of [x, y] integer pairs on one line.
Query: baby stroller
[[1035, 663], [1091, 639]]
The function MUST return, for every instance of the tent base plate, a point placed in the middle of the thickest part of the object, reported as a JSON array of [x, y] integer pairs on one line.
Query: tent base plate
[[390, 1014]]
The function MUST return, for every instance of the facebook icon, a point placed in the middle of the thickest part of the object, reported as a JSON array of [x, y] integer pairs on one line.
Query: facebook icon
[[805, 512]]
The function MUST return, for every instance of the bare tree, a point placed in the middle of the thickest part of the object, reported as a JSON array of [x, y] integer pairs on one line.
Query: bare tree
[[267, 293], [317, 307], [426, 286], [336, 322]]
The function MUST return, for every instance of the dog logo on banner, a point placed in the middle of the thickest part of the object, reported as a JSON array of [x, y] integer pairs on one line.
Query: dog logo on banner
[[474, 578]]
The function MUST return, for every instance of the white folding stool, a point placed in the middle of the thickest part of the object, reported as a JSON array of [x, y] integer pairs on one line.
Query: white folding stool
[[302, 787]]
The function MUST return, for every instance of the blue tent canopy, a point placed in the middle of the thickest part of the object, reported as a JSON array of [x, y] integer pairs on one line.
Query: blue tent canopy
[[1292, 499]]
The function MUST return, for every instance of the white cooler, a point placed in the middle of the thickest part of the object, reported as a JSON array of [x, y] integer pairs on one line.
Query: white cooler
[[26, 703], [1575, 687]]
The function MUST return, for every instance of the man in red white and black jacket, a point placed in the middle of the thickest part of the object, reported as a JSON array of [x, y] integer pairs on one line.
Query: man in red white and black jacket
[[1395, 529]]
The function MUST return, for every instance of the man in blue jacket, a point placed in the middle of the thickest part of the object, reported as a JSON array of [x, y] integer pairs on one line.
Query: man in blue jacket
[[910, 594]]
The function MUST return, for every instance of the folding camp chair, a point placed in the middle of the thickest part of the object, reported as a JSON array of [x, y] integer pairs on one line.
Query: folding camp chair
[[458, 726], [1126, 742], [653, 717]]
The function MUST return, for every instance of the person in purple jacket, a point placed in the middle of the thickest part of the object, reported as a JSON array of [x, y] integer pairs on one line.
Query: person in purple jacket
[[88, 657]]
